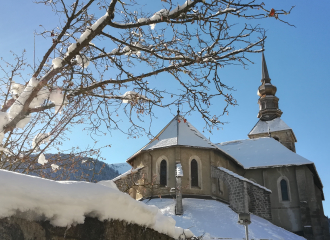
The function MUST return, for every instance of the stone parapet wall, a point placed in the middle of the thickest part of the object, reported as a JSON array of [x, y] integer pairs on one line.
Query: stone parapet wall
[[128, 181], [13, 228], [241, 191]]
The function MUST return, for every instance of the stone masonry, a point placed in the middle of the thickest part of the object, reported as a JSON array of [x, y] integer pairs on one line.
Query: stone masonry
[[241, 190], [13, 228], [126, 182]]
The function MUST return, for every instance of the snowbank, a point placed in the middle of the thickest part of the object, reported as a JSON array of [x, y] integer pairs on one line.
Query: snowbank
[[68, 202], [215, 220]]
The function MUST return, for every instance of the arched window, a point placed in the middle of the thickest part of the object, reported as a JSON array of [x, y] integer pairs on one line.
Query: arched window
[[284, 190], [163, 173], [194, 173]]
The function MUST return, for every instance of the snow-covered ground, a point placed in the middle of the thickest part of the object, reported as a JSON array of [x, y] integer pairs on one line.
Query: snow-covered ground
[[215, 220], [64, 203]]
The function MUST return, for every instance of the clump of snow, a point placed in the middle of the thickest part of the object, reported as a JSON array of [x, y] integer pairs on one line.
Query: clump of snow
[[4, 120], [40, 138], [142, 20], [126, 49], [42, 160], [58, 99], [54, 167], [158, 16], [84, 35], [21, 124], [99, 21], [2, 135], [17, 106], [71, 48], [82, 60], [57, 62], [175, 10], [16, 89], [92, 28], [2, 149], [114, 51], [64, 203], [215, 220], [42, 95], [131, 95]]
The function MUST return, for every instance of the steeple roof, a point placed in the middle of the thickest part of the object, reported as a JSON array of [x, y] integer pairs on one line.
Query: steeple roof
[[264, 74]]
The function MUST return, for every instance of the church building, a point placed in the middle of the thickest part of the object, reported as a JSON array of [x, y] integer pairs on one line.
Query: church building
[[262, 175]]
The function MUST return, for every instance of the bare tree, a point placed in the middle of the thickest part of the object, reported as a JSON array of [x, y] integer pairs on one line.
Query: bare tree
[[103, 66]]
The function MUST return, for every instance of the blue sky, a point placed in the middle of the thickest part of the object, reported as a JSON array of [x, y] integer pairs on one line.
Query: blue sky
[[298, 64]]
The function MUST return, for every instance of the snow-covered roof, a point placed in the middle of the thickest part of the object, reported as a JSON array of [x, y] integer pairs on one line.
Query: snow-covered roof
[[276, 124], [68, 202], [179, 132], [243, 178], [262, 152], [215, 220]]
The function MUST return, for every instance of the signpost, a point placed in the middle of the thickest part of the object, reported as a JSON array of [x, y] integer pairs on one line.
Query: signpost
[[244, 219]]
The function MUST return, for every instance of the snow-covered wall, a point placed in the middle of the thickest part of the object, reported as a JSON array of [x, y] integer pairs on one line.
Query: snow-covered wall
[[68, 203], [14, 228]]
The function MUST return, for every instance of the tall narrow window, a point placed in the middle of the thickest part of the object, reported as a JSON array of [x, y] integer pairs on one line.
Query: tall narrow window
[[194, 173], [284, 190], [163, 173], [220, 186]]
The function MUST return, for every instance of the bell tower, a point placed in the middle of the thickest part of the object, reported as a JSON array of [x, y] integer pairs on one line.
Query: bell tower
[[270, 124], [268, 102]]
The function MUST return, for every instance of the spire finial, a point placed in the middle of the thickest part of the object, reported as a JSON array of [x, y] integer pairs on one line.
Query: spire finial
[[264, 75], [178, 112]]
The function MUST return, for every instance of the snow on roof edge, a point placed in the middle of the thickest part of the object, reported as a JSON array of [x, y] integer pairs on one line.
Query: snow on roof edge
[[125, 174], [243, 178]]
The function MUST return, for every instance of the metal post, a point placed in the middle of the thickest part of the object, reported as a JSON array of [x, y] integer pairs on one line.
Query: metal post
[[246, 232]]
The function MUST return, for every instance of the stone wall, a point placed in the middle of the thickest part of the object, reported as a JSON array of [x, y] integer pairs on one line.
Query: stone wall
[[259, 203], [126, 182], [241, 191], [13, 228]]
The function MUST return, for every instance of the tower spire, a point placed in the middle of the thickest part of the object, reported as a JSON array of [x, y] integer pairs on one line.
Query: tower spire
[[268, 102], [264, 74]]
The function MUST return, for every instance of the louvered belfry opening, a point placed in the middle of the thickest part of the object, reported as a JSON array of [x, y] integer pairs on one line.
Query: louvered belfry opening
[[194, 173], [163, 173]]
